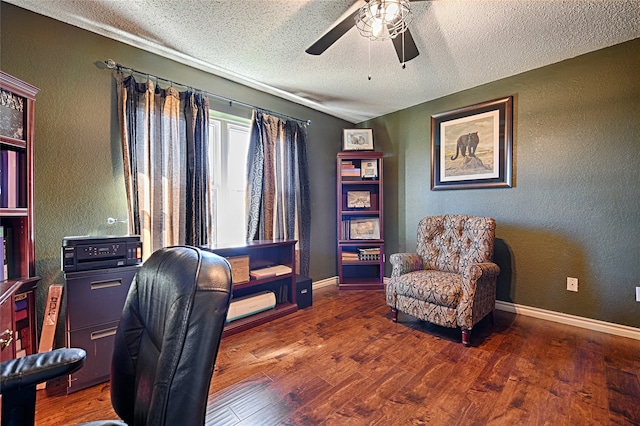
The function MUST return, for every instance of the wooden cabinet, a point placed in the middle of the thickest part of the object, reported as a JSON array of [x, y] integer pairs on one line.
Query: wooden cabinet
[[6, 331], [17, 318], [17, 280], [360, 220], [254, 256]]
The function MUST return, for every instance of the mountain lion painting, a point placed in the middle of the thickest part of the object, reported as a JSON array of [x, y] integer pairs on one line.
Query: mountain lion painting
[[470, 141]]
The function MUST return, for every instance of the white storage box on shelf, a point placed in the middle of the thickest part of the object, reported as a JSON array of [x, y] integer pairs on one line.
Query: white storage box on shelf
[[249, 305]]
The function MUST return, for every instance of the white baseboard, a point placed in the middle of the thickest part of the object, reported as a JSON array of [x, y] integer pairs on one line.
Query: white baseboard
[[588, 323], [325, 283], [331, 281]]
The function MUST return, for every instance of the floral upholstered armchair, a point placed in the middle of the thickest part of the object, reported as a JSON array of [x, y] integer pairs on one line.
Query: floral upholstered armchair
[[451, 280]]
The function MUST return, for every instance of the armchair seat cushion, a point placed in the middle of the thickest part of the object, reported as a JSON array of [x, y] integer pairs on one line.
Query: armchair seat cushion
[[436, 287]]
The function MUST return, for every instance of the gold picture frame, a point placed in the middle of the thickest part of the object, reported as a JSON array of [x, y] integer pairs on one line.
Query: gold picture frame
[[358, 199], [364, 229], [369, 169], [357, 140]]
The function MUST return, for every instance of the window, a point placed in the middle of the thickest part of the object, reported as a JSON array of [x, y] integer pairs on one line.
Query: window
[[228, 149]]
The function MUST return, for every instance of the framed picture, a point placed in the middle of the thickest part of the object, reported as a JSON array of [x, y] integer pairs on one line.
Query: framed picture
[[12, 114], [358, 199], [357, 140], [364, 229], [369, 169], [471, 147]]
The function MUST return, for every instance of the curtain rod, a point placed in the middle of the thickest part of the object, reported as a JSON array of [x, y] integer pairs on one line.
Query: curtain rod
[[111, 64]]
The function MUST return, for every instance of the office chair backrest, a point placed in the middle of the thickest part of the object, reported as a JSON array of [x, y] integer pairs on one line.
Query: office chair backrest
[[168, 337]]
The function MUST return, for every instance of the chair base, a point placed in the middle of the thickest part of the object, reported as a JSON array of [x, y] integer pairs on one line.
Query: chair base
[[466, 333], [19, 407]]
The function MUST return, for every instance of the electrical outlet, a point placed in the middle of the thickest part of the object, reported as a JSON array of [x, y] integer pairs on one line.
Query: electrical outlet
[[637, 294], [572, 284]]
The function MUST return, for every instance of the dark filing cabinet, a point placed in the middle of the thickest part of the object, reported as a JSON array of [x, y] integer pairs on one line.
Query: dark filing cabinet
[[305, 293], [94, 300]]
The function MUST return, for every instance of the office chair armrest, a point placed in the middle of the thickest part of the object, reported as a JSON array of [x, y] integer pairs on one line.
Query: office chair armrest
[[37, 368]]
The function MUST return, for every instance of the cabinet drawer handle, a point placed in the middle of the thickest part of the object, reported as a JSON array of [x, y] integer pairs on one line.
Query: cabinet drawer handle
[[7, 338], [98, 285], [103, 333]]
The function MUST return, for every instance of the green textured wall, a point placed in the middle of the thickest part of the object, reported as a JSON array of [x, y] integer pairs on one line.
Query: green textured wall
[[574, 210], [78, 160]]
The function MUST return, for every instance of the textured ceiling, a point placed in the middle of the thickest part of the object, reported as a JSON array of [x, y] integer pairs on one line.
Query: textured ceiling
[[261, 43]]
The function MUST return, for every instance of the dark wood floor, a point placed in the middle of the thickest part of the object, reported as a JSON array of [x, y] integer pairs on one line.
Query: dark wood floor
[[343, 362]]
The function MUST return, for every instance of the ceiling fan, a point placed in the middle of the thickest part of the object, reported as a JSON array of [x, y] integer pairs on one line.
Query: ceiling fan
[[374, 10]]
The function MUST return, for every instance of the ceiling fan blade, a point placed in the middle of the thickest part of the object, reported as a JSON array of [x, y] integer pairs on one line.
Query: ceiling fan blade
[[331, 36], [410, 50]]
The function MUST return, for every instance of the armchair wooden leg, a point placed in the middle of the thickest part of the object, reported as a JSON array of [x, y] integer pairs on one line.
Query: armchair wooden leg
[[394, 314], [466, 337]]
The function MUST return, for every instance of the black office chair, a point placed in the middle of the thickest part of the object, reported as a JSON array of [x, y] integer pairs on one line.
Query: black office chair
[[19, 377], [168, 338]]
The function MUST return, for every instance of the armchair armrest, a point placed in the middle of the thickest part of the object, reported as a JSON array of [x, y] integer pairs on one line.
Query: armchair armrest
[[478, 293], [403, 263], [476, 274], [28, 371]]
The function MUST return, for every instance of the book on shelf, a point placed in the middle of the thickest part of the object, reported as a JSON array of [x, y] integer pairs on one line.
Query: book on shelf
[[17, 341], [4, 178], [4, 252], [361, 254], [283, 294], [21, 192], [9, 179], [369, 250], [349, 256], [369, 253], [345, 229], [270, 271], [21, 315], [3, 259], [20, 351], [25, 340], [355, 172]]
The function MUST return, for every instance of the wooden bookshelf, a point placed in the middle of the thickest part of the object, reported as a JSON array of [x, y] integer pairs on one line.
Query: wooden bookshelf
[[17, 281], [360, 220], [262, 254]]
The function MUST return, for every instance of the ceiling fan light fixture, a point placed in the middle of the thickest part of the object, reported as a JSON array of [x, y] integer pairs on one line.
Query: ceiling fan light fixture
[[380, 20]]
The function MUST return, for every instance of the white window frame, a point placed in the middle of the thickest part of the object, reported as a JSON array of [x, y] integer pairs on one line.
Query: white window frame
[[220, 128]]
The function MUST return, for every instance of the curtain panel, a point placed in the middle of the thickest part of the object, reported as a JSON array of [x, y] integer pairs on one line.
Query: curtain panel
[[164, 137], [278, 199]]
